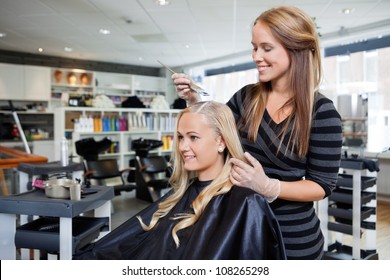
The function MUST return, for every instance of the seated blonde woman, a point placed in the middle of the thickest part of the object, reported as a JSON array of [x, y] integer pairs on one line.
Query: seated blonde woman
[[204, 216]]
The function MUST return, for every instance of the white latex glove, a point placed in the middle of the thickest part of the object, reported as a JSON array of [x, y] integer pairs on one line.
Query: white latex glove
[[182, 82], [252, 176]]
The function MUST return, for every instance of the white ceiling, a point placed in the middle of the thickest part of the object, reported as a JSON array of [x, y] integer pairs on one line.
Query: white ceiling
[[214, 30]]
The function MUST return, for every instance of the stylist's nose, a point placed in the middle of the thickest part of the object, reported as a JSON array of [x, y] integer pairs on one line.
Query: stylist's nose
[[257, 56]]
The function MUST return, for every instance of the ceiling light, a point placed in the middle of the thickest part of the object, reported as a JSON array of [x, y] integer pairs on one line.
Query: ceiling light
[[68, 49], [347, 11], [140, 58], [104, 31], [128, 20], [187, 46], [162, 2], [2, 35], [40, 49]]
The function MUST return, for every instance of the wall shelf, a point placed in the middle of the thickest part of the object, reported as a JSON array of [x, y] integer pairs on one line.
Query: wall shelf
[[145, 123]]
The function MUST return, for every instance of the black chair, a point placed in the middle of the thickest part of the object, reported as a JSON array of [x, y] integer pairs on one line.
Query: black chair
[[105, 172], [89, 148], [151, 171], [151, 177]]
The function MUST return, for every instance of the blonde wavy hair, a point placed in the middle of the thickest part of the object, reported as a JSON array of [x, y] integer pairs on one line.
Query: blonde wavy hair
[[220, 119], [297, 33]]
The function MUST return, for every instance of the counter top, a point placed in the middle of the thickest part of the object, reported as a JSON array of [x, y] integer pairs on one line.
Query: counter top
[[25, 112], [35, 202], [384, 154], [378, 155]]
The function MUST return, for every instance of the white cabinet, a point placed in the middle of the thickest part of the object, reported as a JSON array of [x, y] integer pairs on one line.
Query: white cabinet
[[146, 83], [37, 83], [19, 82], [117, 86], [112, 81], [61, 87], [148, 87], [145, 123], [11, 81]]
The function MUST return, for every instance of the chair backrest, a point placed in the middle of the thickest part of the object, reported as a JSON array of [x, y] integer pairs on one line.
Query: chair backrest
[[151, 177], [104, 168], [153, 164], [105, 172], [89, 149]]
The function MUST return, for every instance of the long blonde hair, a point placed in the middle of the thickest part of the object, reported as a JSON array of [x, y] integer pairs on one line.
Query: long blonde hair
[[296, 31], [220, 119]]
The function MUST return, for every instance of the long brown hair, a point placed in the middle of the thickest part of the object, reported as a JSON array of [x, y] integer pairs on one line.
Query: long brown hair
[[297, 33]]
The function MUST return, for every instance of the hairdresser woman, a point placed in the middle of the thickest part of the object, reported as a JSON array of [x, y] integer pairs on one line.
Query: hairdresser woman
[[290, 131]]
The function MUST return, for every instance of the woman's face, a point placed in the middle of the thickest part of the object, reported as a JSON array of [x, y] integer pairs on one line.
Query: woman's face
[[270, 56], [198, 146]]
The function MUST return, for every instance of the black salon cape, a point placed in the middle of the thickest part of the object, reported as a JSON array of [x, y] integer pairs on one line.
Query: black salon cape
[[236, 225]]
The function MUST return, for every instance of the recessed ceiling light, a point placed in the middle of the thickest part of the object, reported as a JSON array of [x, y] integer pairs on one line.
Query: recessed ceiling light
[[2, 34], [40, 49], [187, 46], [140, 58], [104, 31], [347, 11], [128, 20], [162, 2], [68, 49]]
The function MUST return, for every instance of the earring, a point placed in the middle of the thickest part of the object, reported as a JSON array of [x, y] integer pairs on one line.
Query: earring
[[220, 149]]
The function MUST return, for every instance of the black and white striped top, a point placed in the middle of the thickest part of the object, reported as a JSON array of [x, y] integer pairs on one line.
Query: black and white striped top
[[298, 221]]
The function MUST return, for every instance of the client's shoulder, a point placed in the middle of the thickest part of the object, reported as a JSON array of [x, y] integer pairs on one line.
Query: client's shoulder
[[243, 193]]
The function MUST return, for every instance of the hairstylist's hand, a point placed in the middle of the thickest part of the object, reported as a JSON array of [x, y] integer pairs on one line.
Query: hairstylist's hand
[[182, 84], [252, 176]]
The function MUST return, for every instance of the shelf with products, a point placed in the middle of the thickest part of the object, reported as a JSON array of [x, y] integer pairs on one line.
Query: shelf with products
[[71, 86], [78, 87], [121, 86], [72, 78], [146, 97], [140, 123]]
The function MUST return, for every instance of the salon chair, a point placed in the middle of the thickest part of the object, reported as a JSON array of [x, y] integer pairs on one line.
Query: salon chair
[[152, 171], [103, 172]]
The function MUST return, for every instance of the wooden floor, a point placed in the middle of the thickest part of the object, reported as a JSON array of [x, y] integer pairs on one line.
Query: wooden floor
[[126, 206], [383, 230]]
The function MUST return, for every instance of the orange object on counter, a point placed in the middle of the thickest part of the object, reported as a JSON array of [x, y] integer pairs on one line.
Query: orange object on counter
[[10, 158]]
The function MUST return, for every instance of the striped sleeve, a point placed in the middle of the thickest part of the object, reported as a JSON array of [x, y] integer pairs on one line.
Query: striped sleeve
[[323, 159]]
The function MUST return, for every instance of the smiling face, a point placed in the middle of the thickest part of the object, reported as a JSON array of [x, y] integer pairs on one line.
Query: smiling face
[[199, 145], [270, 56]]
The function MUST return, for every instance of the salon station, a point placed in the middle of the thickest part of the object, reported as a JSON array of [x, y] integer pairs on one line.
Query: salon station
[[88, 112]]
